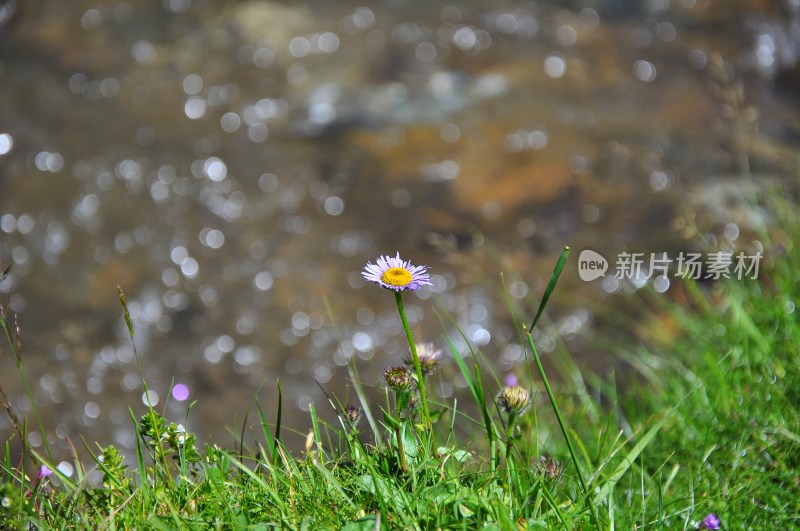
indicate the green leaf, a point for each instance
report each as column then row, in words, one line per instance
column 437, row 414
column 465, row 511
column 410, row 443
column 459, row 455
column 551, row 286
column 441, row 494
column 368, row 523
column 392, row 422
column 403, row 399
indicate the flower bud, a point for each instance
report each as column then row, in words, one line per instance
column 398, row 377
column 429, row 357
column 513, row 399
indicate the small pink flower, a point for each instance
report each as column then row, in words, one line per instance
column 44, row 472
column 710, row 522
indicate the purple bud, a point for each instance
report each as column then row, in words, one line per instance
column 44, row 472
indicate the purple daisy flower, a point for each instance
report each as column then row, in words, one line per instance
column 397, row 274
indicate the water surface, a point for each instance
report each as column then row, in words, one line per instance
column 232, row 166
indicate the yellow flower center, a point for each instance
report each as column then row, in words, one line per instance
column 397, row 276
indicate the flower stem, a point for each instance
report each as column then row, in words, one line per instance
column 401, row 451
column 510, row 435
column 398, row 297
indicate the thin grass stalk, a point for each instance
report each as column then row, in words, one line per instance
column 562, row 260
column 15, row 344
column 401, row 451
column 509, row 436
column 398, row 297
column 491, row 428
column 312, row 410
column 276, row 439
column 355, row 378
column 150, row 409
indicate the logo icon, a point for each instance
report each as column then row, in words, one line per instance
column 591, row 265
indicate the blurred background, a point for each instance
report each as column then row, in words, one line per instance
column 233, row 165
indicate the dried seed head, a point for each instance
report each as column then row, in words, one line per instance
column 353, row 413
column 549, row 467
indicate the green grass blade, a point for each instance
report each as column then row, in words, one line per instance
column 312, row 410
column 268, row 438
column 331, row 481
column 277, row 438
column 562, row 261
column 475, row 387
column 629, row 459
column 140, row 468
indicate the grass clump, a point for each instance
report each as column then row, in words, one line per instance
column 706, row 436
